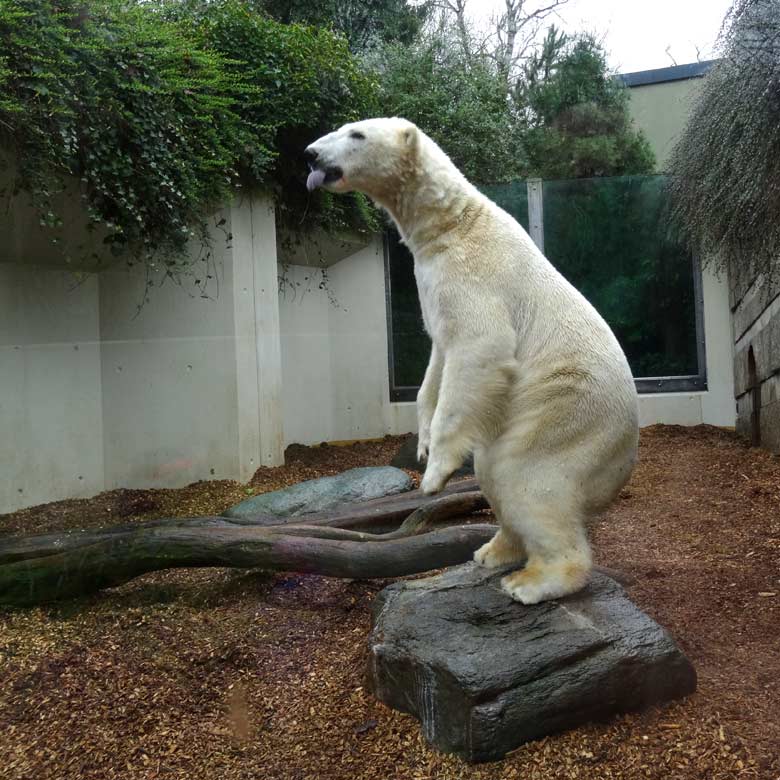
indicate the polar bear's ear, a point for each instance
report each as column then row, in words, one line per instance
column 411, row 136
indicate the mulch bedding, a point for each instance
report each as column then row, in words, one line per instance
column 225, row 674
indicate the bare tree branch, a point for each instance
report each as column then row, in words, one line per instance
column 117, row 560
column 514, row 31
column 53, row 566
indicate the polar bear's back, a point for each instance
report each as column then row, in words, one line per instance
column 574, row 394
column 573, row 386
column 552, row 319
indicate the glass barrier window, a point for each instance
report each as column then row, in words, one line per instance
column 607, row 238
column 409, row 345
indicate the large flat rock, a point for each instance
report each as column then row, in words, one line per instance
column 485, row 674
column 316, row 495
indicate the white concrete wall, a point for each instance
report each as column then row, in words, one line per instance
column 358, row 326
column 97, row 394
column 257, row 333
column 334, row 357
column 306, row 356
column 192, row 381
column 51, row 445
column 334, row 352
column 169, row 379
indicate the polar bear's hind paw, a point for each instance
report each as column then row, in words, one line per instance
column 544, row 582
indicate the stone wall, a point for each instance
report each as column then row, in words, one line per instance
column 755, row 307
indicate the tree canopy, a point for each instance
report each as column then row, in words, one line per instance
column 579, row 121
column 726, row 185
column 364, row 23
column 460, row 101
column 564, row 115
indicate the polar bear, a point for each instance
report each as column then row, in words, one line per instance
column 523, row 371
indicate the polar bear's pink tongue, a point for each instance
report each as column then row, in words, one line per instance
column 315, row 180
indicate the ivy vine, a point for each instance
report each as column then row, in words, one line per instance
column 162, row 109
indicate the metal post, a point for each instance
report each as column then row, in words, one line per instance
column 535, row 212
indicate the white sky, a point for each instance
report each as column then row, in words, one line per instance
column 636, row 33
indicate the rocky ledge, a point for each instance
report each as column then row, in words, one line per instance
column 485, row 674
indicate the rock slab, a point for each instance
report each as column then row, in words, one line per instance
column 484, row 674
column 317, row 495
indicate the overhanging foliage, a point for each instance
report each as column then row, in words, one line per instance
column 163, row 109
column 726, row 188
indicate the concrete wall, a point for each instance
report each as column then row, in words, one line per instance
column 334, row 352
column 306, row 347
column 50, row 386
column 169, row 379
column 97, row 393
column 191, row 382
column 358, row 321
column 661, row 111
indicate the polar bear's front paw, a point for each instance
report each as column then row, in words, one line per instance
column 433, row 481
column 436, row 476
column 441, row 466
column 499, row 552
column 423, row 444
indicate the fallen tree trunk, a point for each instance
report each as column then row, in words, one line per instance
column 374, row 517
column 120, row 558
column 344, row 543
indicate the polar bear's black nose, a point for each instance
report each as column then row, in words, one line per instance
column 310, row 155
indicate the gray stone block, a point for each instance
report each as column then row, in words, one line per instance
column 484, row 674
column 317, row 495
column 755, row 301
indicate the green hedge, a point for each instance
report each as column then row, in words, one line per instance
column 163, row 109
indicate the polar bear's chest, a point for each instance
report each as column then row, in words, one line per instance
column 430, row 288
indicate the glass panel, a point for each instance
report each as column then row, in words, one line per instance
column 512, row 197
column 605, row 236
column 411, row 345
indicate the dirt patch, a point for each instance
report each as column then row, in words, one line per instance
column 219, row 674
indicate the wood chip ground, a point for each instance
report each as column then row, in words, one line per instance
column 222, row 675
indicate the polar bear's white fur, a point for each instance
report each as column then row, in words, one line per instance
column 523, row 371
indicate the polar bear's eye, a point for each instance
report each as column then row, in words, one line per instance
column 357, row 135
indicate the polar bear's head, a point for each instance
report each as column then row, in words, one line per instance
column 366, row 156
